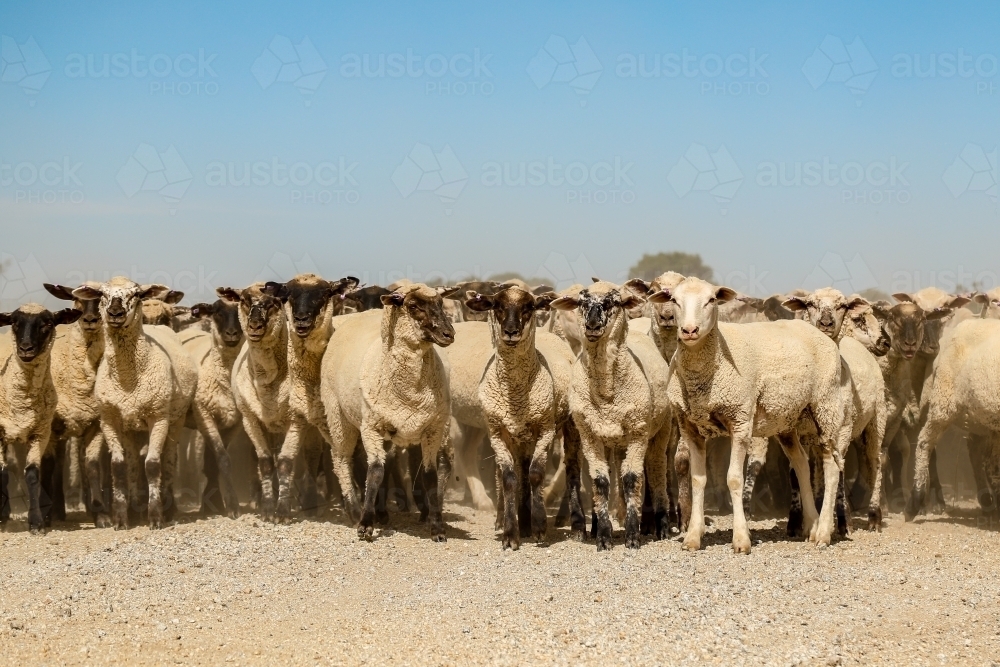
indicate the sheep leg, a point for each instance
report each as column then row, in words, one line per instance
column 633, row 482
column 375, row 448
column 799, row 463
column 343, row 444
column 756, row 458
column 536, row 479
column 58, row 492
column 682, row 468
column 979, row 447
column 843, row 509
column 435, row 477
column 658, row 482
column 467, row 467
column 217, row 452
column 111, row 428
column 741, row 442
column 500, row 522
column 444, row 467
column 4, row 492
column 97, row 482
column 169, row 456
column 618, row 456
column 822, row 531
column 571, row 462
column 929, row 435
column 286, row 465
column 699, row 479
column 312, row 454
column 154, row 471
column 595, row 454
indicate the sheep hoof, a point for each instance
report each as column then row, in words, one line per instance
column 510, row 542
column 604, row 543
column 102, row 520
column 633, row 541
column 578, row 534
column 691, row 543
column 441, row 537
column 741, row 544
column 913, row 507
column 875, row 519
column 36, row 529
column 540, row 539
column 366, row 533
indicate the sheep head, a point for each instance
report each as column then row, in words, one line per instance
column 869, row 329
column 600, row 304
column 908, row 322
column 367, row 298
column 120, row 299
column 513, row 310
column 696, row 307
column 423, row 307
column 826, row 308
column 90, row 318
column 225, row 316
column 259, row 312
column 307, row 299
column 662, row 313
column 33, row 328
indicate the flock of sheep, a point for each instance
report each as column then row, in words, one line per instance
column 644, row 379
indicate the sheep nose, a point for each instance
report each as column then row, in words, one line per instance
column 690, row 331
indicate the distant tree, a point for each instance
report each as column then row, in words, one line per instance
column 507, row 275
column 651, row 266
column 874, row 294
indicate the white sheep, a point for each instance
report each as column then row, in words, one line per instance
column 964, row 388
column 745, row 380
column 28, row 404
column 260, row 382
column 145, row 382
column 853, row 326
column 524, row 394
column 76, row 429
column 309, row 303
column 213, row 410
column 618, row 403
column 383, row 379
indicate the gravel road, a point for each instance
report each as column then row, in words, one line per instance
column 213, row 591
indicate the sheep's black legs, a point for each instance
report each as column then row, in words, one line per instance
column 32, row 481
column 4, row 494
column 366, row 527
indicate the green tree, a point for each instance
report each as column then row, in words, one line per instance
column 687, row 264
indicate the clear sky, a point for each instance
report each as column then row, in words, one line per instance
column 203, row 144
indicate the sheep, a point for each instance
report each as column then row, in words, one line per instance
column 213, row 411
column 145, row 382
column 905, row 323
column 165, row 312
column 365, row 298
column 309, row 302
column 759, row 379
column 28, row 404
column 524, row 395
column 566, row 323
column 990, row 302
column 964, row 386
column 76, row 428
column 851, row 324
column 260, row 381
column 617, row 401
column 382, row 378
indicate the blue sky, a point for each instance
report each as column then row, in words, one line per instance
column 391, row 175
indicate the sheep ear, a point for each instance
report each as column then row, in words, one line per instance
column 277, row 290
column 202, row 310
column 392, row 299
column 979, row 297
column 632, row 301
column 795, row 304
column 544, row 301
column 344, row 285
column 565, row 303
column 173, row 297
column 229, row 294
column 480, row 303
column 725, row 295
column 753, row 302
column 938, row 314
column 903, row 297
column 637, row 286
column 154, row 292
column 958, row 301
column 857, row 306
column 663, row 296
column 454, row 293
column 59, row 291
column 86, row 292
column 595, row 279
column 542, row 289
column 6, row 319
column 67, row 315
column 881, row 312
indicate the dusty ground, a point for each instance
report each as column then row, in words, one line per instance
column 213, row 591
